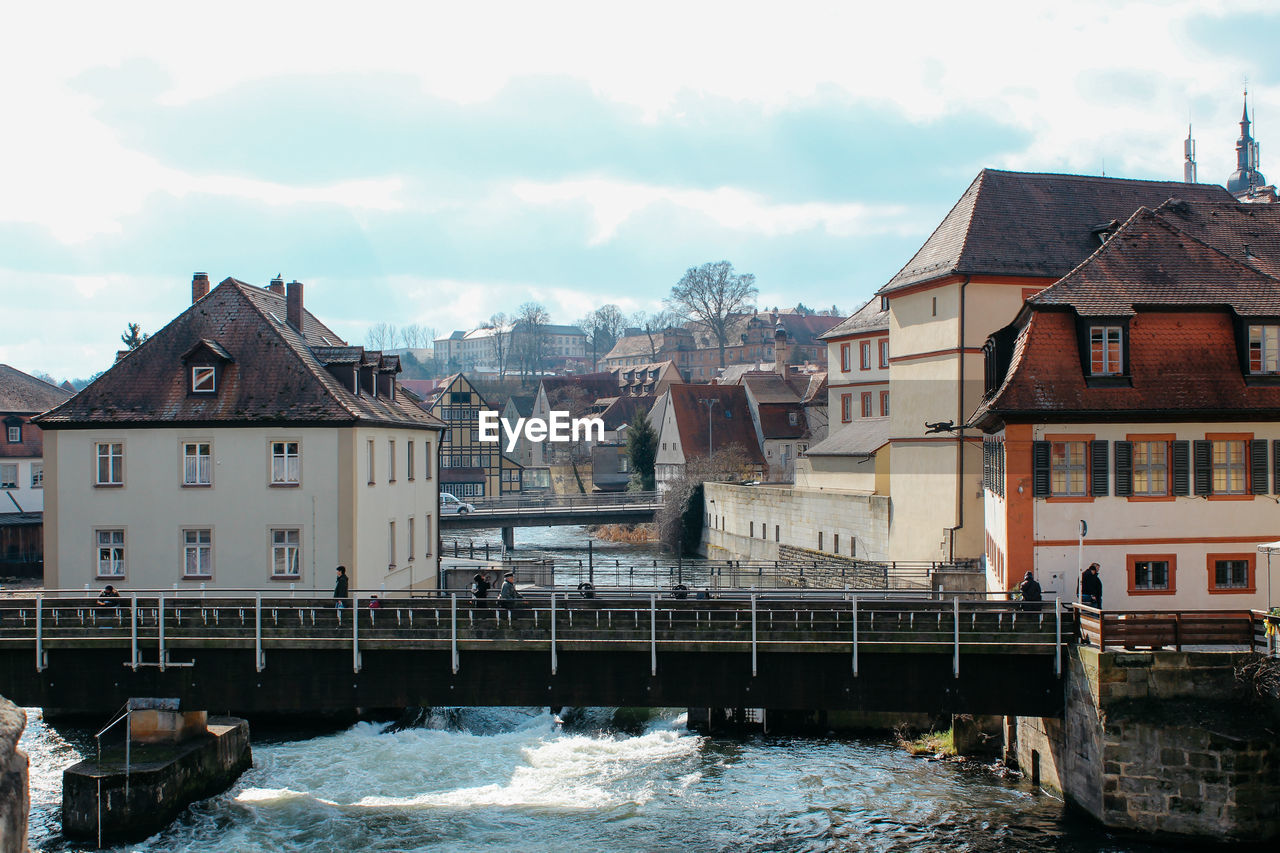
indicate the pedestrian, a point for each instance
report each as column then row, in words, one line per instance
column 507, row 594
column 110, row 597
column 374, row 603
column 1031, row 592
column 340, row 587
column 479, row 588
column 1091, row 587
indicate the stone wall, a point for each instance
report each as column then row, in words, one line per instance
column 751, row 522
column 15, row 797
column 1160, row 742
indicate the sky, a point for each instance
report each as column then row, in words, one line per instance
column 437, row 163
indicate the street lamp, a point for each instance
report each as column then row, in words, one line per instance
column 711, row 403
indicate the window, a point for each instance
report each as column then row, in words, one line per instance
column 203, row 380
column 413, row 531
column 835, row 543
column 1068, row 461
column 197, row 553
column 1152, row 574
column 1232, row 573
column 286, row 463
column 884, row 303
column 37, row 475
column 1151, row 468
column 884, row 353
column 426, row 459
column 370, row 460
column 1229, row 465
column 391, row 545
column 408, row 464
column 426, row 532
column 15, row 434
column 866, row 404
column 846, row 407
column 1104, row 351
column 286, row 552
column 110, row 553
column 110, row 464
column 391, row 460
column 793, row 418
column 819, row 540
column 866, row 355
column 195, row 464
column 935, row 306
column 9, row 476
column 884, row 403
column 1264, row 349
column 777, row 533
column 846, row 359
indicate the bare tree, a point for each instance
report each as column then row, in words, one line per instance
column 710, row 296
column 529, row 339
column 415, row 336
column 654, row 324
column 501, row 326
column 679, row 518
column 382, row 336
column 603, row 327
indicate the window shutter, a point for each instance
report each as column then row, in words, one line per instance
column 1258, row 466
column 1275, row 464
column 1203, row 467
column 1124, row 469
column 1182, row 467
column 1100, row 465
column 1040, row 469
column 988, row 474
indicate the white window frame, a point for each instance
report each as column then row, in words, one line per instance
column 203, row 375
column 1230, row 470
column 286, row 466
column 1147, row 469
column 1264, row 339
column 37, row 475
column 112, row 453
column 1062, row 470
column 884, row 354
column 286, row 547
column 8, row 481
column 1105, row 363
column 192, row 473
column 15, row 434
column 197, row 546
column 110, row 547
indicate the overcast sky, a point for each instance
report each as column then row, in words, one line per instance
column 435, row 164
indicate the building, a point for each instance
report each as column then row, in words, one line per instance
column 505, row 349
column 243, row 445
column 1246, row 183
column 858, row 364
column 1138, row 398
column 22, row 397
column 696, row 421
column 469, row 467
column 637, row 347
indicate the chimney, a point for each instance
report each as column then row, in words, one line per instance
column 780, row 350
column 277, row 285
column 293, row 305
column 199, row 286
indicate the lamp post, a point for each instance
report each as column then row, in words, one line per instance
column 711, row 403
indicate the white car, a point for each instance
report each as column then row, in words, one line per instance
column 449, row 505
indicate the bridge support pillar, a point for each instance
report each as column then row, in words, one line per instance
column 508, row 538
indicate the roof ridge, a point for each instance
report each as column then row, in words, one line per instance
column 942, row 222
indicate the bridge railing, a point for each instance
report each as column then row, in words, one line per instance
column 511, row 504
column 1155, row 629
column 159, row 630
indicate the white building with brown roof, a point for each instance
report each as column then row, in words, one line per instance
column 242, row 445
column 22, row 446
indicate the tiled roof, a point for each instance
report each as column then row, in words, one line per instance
column 868, row 318
column 462, row 475
column 860, row 437
column 816, row 392
column 1249, row 233
column 696, row 428
column 775, row 420
column 1026, row 224
column 593, row 385
column 637, row 346
column 769, row 387
column 523, row 404
column 274, row 375
column 22, row 393
column 622, row 410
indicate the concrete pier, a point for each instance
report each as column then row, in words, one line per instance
column 15, row 799
column 176, row 759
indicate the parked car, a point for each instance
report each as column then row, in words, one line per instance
column 449, row 505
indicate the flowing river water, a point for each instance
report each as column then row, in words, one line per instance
column 523, row 779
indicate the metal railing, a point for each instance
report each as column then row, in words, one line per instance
column 156, row 630
column 519, row 503
column 1157, row 629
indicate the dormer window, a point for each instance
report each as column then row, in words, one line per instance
column 204, row 380
column 792, row 418
column 1264, row 349
column 1106, row 350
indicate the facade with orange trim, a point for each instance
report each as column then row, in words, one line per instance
column 1140, row 396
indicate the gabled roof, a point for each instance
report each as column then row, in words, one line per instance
column 1249, row 233
column 729, row 421
column 21, row 393
column 769, row 387
column 273, row 375
column 592, row 385
column 868, row 318
column 859, row 437
column 522, row 403
column 776, row 421
column 1027, row 224
column 622, row 410
column 816, row 393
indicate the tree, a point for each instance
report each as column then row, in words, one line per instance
column 529, row 340
column 654, row 324
column 382, row 336
column 680, row 516
column 133, row 336
column 642, row 450
column 603, row 327
column 711, row 295
column 416, row 336
column 501, row 326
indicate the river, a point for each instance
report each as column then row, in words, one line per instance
column 500, row 779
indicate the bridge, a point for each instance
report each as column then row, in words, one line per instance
column 521, row 510
column 257, row 652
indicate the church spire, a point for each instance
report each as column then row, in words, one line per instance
column 1246, row 177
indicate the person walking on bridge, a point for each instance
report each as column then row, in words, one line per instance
column 479, row 588
column 1091, row 587
column 341, row 587
column 1031, row 592
column 507, row 594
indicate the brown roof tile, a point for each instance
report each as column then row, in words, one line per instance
column 729, row 421
column 21, row 393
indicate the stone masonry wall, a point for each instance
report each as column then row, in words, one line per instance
column 15, row 797
column 1158, row 742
